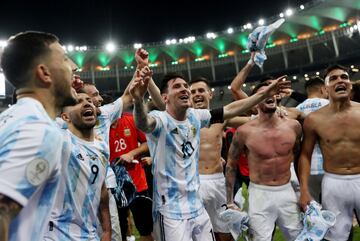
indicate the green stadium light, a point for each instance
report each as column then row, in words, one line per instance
column 79, row 59
column 104, row 59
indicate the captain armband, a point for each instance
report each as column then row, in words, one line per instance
column 217, row 115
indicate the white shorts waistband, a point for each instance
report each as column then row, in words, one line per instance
column 213, row 176
column 342, row 177
column 270, row 188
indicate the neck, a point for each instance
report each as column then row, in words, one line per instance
column 84, row 134
column 268, row 118
column 179, row 115
column 314, row 95
column 340, row 105
column 47, row 100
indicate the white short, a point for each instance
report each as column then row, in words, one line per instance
column 196, row 229
column 273, row 204
column 341, row 195
column 213, row 194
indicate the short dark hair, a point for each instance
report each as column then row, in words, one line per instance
column 82, row 89
column 258, row 86
column 200, row 79
column 21, row 52
column 164, row 84
column 332, row 67
column 313, row 83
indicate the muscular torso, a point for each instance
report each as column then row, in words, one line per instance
column 339, row 138
column 270, row 151
column 210, row 149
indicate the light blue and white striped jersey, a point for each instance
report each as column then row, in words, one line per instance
column 75, row 213
column 308, row 106
column 109, row 114
column 31, row 154
column 174, row 146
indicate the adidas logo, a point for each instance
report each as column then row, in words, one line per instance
column 175, row 131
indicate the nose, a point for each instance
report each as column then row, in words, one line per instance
column 100, row 99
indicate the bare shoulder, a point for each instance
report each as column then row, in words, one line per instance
column 293, row 124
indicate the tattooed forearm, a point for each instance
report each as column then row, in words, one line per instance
column 230, row 180
column 8, row 210
column 141, row 117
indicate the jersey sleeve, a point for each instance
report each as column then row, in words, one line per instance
column 204, row 116
column 30, row 156
column 113, row 110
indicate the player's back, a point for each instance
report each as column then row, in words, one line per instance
column 30, row 159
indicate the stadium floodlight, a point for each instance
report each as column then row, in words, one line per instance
column 212, row 89
column 352, row 66
column 110, row 47
column 189, row 39
column 70, row 48
column 168, row 42
column 318, row 73
column 229, row 87
column 211, row 35
column 77, row 48
column 173, row 41
column 294, row 77
column 137, row 45
column 306, row 75
column 230, row 30
column 302, row 7
column 281, row 15
column 244, row 85
column 289, row 12
column 261, row 22
column 83, row 48
column 181, row 40
column 249, row 26
column 3, row 43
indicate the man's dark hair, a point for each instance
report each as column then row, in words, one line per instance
column 258, row 86
column 332, row 67
column 83, row 87
column 200, row 79
column 164, row 84
column 314, row 83
column 20, row 55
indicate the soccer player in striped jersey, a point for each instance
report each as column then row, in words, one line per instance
column 31, row 145
column 82, row 195
column 173, row 137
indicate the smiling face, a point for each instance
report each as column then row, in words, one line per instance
column 338, row 84
column 177, row 97
column 268, row 105
column 83, row 114
column 96, row 98
column 200, row 95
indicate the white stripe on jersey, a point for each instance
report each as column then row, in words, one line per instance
column 75, row 215
column 174, row 146
column 308, row 106
column 31, row 149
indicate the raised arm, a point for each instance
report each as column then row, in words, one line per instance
column 105, row 214
column 142, row 60
column 307, row 148
column 239, row 80
column 137, row 90
column 8, row 210
column 237, row 107
column 236, row 148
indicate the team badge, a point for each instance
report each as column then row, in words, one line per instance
column 37, row 171
column 127, row 132
column 193, row 130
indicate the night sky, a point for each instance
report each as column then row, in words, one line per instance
column 126, row 22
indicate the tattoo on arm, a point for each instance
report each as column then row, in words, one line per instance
column 142, row 120
column 8, row 210
column 231, row 168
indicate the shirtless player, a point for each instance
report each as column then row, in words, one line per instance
column 270, row 143
column 336, row 127
column 212, row 180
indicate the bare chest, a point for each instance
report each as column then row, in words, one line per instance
column 213, row 134
column 271, row 143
